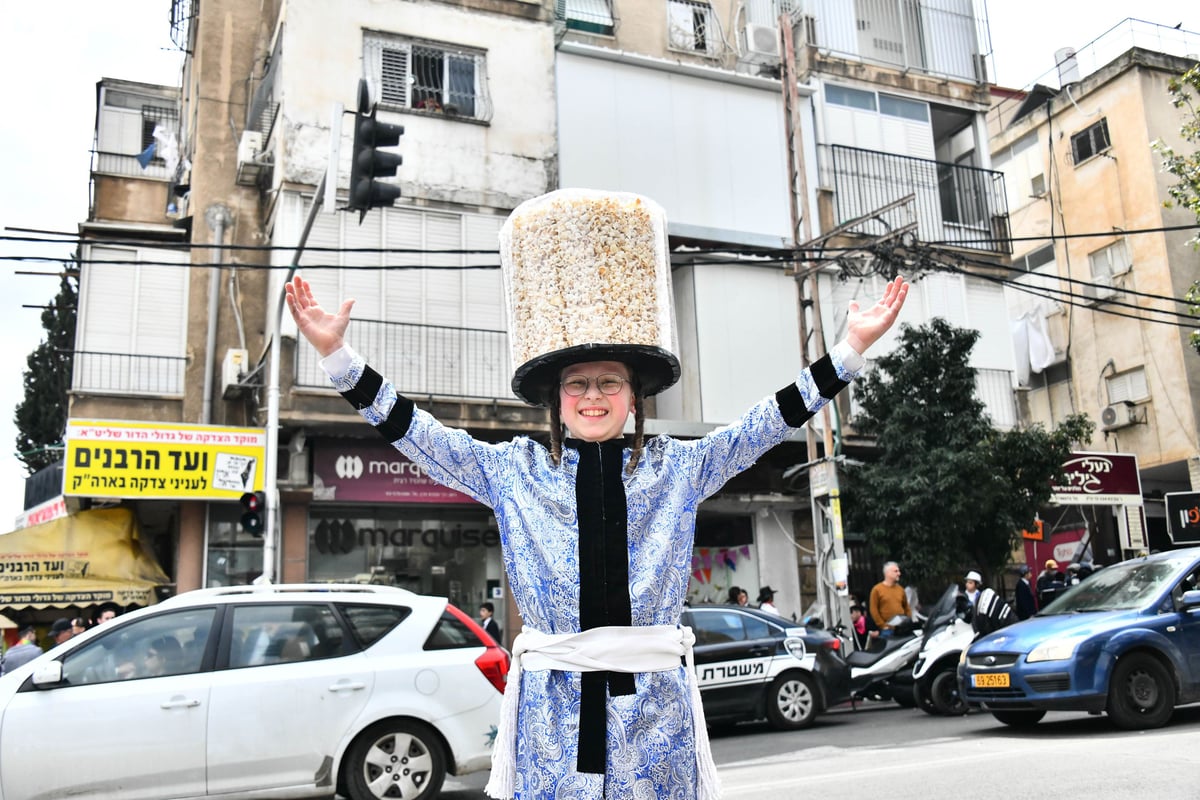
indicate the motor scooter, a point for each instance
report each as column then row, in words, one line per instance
column 947, row 633
column 884, row 670
column 953, row 625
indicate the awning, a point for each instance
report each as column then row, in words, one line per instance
column 83, row 559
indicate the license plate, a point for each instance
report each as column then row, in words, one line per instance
column 990, row 680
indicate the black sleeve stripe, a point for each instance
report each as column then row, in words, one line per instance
column 363, row 394
column 396, row 425
column 791, row 406
column 826, row 377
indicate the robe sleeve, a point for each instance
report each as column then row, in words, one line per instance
column 450, row 456
column 711, row 461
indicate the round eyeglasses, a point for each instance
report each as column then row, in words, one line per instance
column 577, row 385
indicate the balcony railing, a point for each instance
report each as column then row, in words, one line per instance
column 425, row 360
column 128, row 164
column 955, row 205
column 124, row 373
column 931, row 36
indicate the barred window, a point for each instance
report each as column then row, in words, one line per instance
column 691, row 27
column 422, row 76
column 589, row 16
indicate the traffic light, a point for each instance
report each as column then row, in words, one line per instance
column 369, row 163
column 254, row 504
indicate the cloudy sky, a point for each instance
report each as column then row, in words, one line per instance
column 53, row 53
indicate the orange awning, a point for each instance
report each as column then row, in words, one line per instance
column 83, row 559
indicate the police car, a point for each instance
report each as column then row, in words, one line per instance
column 754, row 665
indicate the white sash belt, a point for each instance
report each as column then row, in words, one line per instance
column 650, row 648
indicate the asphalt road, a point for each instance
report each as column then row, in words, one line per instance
column 882, row 752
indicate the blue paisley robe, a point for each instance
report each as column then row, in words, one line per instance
column 650, row 747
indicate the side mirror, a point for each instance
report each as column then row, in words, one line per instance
column 51, row 674
column 1190, row 600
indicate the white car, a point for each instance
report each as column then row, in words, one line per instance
column 249, row 691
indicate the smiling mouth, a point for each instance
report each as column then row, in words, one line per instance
column 593, row 412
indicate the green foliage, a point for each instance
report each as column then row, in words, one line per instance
column 41, row 418
column 1185, row 166
column 948, row 492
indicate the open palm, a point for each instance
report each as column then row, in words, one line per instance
column 326, row 332
column 864, row 327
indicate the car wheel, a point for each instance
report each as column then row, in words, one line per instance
column 1141, row 693
column 945, row 695
column 1019, row 719
column 395, row 759
column 792, row 701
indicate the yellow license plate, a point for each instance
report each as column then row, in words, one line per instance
column 990, row 680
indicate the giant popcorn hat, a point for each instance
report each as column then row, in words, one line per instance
column 588, row 278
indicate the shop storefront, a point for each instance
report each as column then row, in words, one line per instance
column 376, row 518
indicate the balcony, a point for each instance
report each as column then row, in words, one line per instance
column 956, row 205
column 425, row 360
column 127, row 374
column 935, row 37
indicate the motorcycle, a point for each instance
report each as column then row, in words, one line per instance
column 884, row 670
column 953, row 625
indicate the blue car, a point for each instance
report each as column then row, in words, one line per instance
column 1125, row 641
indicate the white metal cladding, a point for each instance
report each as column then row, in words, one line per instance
column 712, row 153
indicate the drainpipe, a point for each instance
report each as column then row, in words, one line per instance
column 218, row 218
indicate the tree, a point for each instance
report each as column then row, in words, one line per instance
column 41, row 418
column 948, row 492
column 1185, row 166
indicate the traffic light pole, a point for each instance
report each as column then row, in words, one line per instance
column 271, row 468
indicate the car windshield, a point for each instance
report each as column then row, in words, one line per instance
column 1132, row 584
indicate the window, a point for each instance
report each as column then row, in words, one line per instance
column 371, row 623
column 1127, row 386
column 853, row 98
column 1037, row 258
column 905, row 109
column 280, row 633
column 421, row 76
column 156, row 646
column 588, row 16
column 690, row 26
column 720, row 627
column 1090, row 141
column 1106, row 264
column 451, row 633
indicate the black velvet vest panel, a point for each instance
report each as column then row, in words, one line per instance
column 603, row 583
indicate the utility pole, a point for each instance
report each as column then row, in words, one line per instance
column 831, row 564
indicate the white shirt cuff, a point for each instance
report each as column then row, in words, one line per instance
column 848, row 357
column 337, row 363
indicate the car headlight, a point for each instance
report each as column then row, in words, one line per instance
column 1054, row 650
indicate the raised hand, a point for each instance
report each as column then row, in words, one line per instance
column 326, row 332
column 863, row 328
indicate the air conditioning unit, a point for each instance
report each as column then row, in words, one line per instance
column 248, row 166
column 762, row 43
column 232, row 370
column 1101, row 288
column 1117, row 416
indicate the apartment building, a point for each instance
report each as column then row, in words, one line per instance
column 682, row 100
column 1094, row 303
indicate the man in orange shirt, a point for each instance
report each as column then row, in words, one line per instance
column 888, row 599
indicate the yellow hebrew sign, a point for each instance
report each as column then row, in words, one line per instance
column 162, row 461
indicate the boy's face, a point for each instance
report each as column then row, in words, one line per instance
column 594, row 416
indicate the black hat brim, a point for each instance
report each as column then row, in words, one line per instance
column 654, row 368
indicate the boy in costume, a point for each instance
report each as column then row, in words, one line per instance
column 596, row 535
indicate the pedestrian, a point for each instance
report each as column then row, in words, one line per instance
column 78, row 626
column 25, row 650
column 1025, row 599
column 971, row 582
column 106, row 612
column 734, row 592
column 1049, row 583
column 570, row 535
column 888, row 600
column 487, row 614
column 743, row 598
column 60, row 631
column 766, row 600
column 858, row 627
